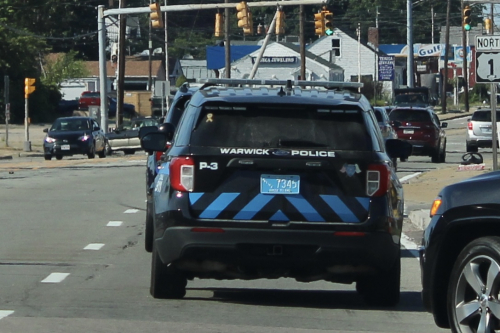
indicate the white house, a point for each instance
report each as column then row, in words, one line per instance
column 281, row 61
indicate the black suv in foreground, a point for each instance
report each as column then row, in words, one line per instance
column 274, row 182
column 460, row 256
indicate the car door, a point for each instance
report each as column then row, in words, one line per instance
column 98, row 135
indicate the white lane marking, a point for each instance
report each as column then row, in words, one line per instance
column 94, row 246
column 114, row 223
column 409, row 245
column 408, row 177
column 5, row 313
column 131, row 211
column 55, row 278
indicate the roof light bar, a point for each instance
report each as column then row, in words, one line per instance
column 299, row 83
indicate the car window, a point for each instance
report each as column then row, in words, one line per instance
column 91, row 94
column 410, row 115
column 484, row 115
column 278, row 126
column 176, row 110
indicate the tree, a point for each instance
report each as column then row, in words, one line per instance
column 60, row 67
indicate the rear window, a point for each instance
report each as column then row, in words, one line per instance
column 91, row 94
column 484, row 115
column 410, row 115
column 281, row 126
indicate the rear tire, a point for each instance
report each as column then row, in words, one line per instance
column 166, row 281
column 471, row 149
column 129, row 152
column 59, row 157
column 47, row 157
column 382, row 289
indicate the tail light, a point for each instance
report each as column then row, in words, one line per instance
column 378, row 179
column 469, row 126
column 182, row 173
column 160, row 153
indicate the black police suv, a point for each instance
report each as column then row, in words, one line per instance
column 278, row 181
column 460, row 256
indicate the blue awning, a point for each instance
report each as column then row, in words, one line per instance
column 216, row 55
column 391, row 49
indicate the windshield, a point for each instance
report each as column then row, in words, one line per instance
column 281, row 126
column 69, row 124
column 410, row 115
column 411, row 99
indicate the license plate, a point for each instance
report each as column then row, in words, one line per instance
column 279, row 184
column 65, row 147
column 408, row 131
column 486, row 129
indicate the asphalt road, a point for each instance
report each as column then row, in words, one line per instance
column 72, row 259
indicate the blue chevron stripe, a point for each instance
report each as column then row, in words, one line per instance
column 193, row 197
column 339, row 207
column 218, row 205
column 279, row 216
column 253, row 207
column 305, row 208
column 365, row 202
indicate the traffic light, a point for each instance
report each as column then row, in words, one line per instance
column 28, row 86
column 280, row 23
column 328, row 22
column 466, row 18
column 156, row 16
column 487, row 25
column 243, row 21
column 319, row 24
column 219, row 23
column 249, row 29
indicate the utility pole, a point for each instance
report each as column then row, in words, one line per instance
column 302, row 44
column 167, row 70
column 432, row 24
column 359, row 54
column 446, row 46
column 103, row 80
column 150, row 51
column 409, row 41
column 121, row 67
column 6, row 84
column 227, row 42
column 493, row 101
column 464, row 63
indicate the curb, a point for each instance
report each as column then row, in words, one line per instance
column 6, row 157
column 420, row 218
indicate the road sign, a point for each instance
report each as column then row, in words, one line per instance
column 487, row 67
column 386, row 68
column 488, row 43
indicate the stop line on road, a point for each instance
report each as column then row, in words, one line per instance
column 5, row 313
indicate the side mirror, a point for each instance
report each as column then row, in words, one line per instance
column 168, row 129
column 398, row 148
column 154, row 141
column 147, row 129
column 45, row 130
column 444, row 124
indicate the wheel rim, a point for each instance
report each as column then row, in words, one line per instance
column 476, row 303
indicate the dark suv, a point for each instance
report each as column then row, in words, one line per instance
column 278, row 182
column 421, row 127
column 460, row 256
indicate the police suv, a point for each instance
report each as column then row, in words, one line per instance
column 278, row 181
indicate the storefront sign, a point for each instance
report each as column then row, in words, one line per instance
column 386, row 68
column 276, row 60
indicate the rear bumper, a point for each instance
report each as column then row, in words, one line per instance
column 264, row 253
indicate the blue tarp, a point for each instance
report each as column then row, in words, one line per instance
column 216, row 55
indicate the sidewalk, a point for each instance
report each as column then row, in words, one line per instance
column 16, row 139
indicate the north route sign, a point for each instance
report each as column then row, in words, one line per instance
column 487, row 59
column 386, row 68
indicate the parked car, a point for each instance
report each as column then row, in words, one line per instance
column 126, row 137
column 479, row 133
column 384, row 123
column 460, row 256
column 422, row 128
column 260, row 183
column 72, row 136
column 93, row 98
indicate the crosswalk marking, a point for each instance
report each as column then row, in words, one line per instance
column 55, row 277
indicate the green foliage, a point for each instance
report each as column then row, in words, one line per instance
column 61, row 67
